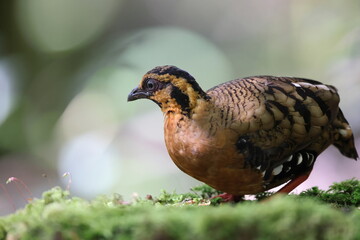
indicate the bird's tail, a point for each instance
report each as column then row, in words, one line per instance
column 343, row 136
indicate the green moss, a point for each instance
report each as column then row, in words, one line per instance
column 180, row 216
column 343, row 194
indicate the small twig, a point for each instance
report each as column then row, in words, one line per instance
column 10, row 199
column 68, row 174
column 19, row 181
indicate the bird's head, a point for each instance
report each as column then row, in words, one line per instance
column 173, row 89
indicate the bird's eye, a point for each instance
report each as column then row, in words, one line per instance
column 151, row 85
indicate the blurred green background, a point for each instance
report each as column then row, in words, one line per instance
column 67, row 66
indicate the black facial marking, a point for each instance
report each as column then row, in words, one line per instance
column 181, row 98
column 177, row 72
column 152, row 85
column 172, row 70
column 158, row 103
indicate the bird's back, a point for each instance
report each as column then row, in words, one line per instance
column 277, row 118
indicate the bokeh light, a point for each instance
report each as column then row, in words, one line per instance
column 61, row 25
column 7, row 89
column 92, row 164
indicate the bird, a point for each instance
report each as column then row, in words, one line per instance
column 248, row 135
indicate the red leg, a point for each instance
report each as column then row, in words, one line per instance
column 226, row 197
column 293, row 183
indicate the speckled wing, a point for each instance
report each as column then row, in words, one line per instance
column 276, row 118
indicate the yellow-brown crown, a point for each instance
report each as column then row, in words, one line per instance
column 171, row 88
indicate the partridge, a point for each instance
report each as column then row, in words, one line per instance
column 247, row 135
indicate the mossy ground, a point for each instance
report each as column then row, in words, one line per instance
column 314, row 214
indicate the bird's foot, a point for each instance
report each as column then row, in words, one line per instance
column 226, row 197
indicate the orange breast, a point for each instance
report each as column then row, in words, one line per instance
column 213, row 160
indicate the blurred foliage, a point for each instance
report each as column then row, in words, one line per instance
column 344, row 194
column 173, row 216
column 205, row 191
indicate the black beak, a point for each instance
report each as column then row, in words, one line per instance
column 137, row 93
